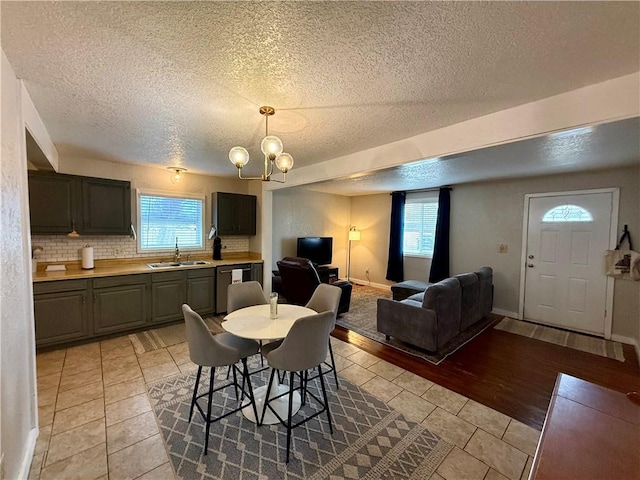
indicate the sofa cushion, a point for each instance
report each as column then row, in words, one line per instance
column 470, row 304
column 417, row 297
column 485, row 276
column 410, row 301
column 444, row 299
column 407, row 288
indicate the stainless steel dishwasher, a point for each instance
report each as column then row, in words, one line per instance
column 223, row 280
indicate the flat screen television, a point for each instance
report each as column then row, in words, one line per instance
column 316, row 249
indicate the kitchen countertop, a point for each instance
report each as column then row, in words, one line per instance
column 133, row 266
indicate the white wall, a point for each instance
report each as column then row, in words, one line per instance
column 302, row 213
column 18, row 422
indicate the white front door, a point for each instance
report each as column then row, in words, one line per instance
column 565, row 283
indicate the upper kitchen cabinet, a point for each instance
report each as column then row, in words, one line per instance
column 233, row 213
column 52, row 203
column 93, row 206
column 106, row 206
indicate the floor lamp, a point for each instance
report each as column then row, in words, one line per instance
column 354, row 234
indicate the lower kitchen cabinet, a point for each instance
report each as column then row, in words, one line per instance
column 68, row 311
column 200, row 290
column 168, row 293
column 61, row 312
column 119, row 303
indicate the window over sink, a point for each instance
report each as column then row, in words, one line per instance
column 163, row 217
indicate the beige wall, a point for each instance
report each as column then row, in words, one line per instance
column 303, row 213
column 486, row 214
column 371, row 215
column 18, row 415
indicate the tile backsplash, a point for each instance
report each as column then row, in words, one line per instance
column 60, row 248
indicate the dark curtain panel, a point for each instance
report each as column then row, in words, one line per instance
column 440, row 261
column 395, row 268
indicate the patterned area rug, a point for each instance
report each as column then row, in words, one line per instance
column 361, row 318
column 167, row 336
column 369, row 441
column 577, row 341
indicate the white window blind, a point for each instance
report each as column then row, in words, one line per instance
column 164, row 218
column 420, row 217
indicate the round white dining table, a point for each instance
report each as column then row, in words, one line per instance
column 255, row 323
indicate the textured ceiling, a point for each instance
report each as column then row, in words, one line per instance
column 180, row 83
column 611, row 145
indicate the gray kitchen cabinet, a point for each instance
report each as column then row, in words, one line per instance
column 223, row 280
column 59, row 203
column 61, row 311
column 168, row 293
column 106, row 207
column 120, row 303
column 200, row 290
column 233, row 213
column 52, row 203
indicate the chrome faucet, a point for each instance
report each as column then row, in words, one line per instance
column 176, row 255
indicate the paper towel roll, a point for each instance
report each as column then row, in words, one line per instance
column 87, row 258
column 236, row 275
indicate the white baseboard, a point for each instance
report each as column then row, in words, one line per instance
column 367, row 283
column 628, row 340
column 506, row 313
column 25, row 464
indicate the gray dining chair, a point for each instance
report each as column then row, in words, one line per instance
column 304, row 348
column 245, row 294
column 221, row 350
column 327, row 297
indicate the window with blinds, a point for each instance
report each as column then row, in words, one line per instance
column 165, row 218
column 420, row 216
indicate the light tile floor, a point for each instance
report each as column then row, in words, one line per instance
column 96, row 420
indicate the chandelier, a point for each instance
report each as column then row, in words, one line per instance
column 271, row 147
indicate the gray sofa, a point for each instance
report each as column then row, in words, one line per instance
column 431, row 318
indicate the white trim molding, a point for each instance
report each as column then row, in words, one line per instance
column 506, row 313
column 613, row 232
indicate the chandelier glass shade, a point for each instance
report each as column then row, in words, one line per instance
column 272, row 149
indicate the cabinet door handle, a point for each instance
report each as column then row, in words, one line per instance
column 95, row 297
column 84, row 299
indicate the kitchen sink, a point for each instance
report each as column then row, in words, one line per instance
column 177, row 264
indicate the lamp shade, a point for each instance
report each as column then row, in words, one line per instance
column 354, row 235
column 284, row 162
column 271, row 145
column 239, row 156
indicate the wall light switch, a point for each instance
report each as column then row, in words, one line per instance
column 503, row 248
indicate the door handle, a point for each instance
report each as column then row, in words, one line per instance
column 531, row 257
column 530, row 265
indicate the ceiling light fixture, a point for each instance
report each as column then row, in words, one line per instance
column 272, row 148
column 177, row 171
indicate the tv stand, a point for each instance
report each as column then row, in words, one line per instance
column 327, row 273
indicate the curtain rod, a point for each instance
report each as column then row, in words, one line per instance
column 434, row 189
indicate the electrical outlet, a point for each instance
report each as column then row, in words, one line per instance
column 503, row 248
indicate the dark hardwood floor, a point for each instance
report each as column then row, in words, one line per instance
column 510, row 373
